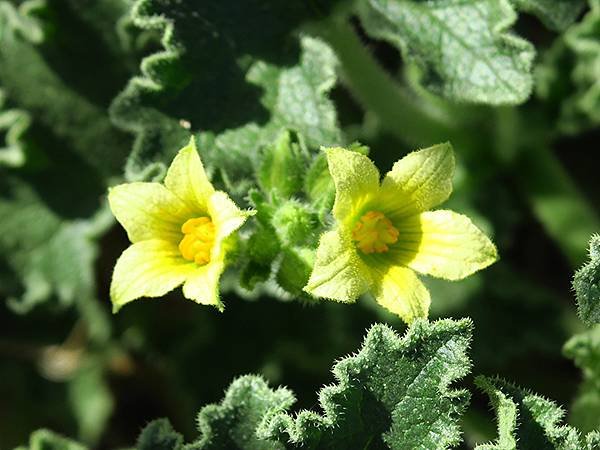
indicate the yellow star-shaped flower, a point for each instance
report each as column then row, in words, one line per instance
column 178, row 232
column 384, row 232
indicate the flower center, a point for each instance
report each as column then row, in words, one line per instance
column 373, row 232
column 198, row 239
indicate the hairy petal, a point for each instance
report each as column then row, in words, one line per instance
column 399, row 290
column 148, row 269
column 338, row 273
column 148, row 211
column 418, row 182
column 356, row 180
column 187, row 178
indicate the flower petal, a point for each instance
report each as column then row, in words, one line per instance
column 399, row 290
column 356, row 180
column 225, row 214
column 148, row 269
column 187, row 179
column 339, row 273
column 148, row 211
column 418, row 182
column 203, row 286
column 443, row 244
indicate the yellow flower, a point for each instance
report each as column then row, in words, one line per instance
column 178, row 232
column 384, row 232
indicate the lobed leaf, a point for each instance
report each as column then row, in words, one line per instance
column 463, row 48
column 268, row 82
column 529, row 421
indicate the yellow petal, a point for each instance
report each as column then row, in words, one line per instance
column 443, row 244
column 148, row 269
column 225, row 214
column 418, row 182
column 148, row 211
column 187, row 179
column 338, row 273
column 356, row 181
column 399, row 290
column 203, row 286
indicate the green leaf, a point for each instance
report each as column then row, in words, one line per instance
column 463, row 48
column 91, row 400
column 586, row 284
column 268, row 82
column 159, row 435
column 233, row 422
column 556, row 14
column 39, row 79
column 530, row 420
column 318, row 184
column 567, row 77
column 394, row 392
column 48, row 440
column 14, row 124
column 584, row 350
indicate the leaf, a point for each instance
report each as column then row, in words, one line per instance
column 14, row 124
column 556, row 14
column 268, row 82
column 567, row 77
column 394, row 392
column 530, row 420
column 584, row 350
column 586, row 284
column 48, row 440
column 39, row 79
column 159, row 435
column 233, row 422
column 464, row 48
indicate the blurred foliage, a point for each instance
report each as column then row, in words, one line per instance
column 96, row 92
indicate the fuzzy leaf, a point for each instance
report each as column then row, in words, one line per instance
column 394, row 392
column 584, row 350
column 268, row 82
column 233, row 422
column 528, row 421
column 556, row 14
column 586, row 284
column 463, row 48
column 159, row 435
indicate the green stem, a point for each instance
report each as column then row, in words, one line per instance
column 557, row 203
column 407, row 117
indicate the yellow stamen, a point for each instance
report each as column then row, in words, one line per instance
column 198, row 239
column 373, row 232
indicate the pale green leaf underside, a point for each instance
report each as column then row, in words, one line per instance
column 463, row 47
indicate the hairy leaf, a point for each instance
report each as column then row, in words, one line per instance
column 268, row 81
column 528, row 421
column 586, row 284
column 584, row 349
column 394, row 392
column 159, row 435
column 463, row 48
column 233, row 422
